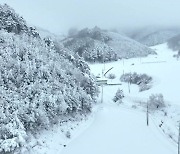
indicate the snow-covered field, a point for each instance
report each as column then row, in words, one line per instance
column 115, row 129
column 162, row 67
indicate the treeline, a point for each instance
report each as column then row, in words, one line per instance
column 91, row 44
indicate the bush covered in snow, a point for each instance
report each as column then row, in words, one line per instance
column 68, row 134
column 111, row 76
column 143, row 80
column 119, row 96
column 144, row 86
column 156, row 101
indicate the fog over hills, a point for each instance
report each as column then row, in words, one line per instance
column 153, row 35
column 88, row 76
column 58, row 15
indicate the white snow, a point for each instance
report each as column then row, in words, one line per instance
column 162, row 67
column 118, row 130
column 122, row 129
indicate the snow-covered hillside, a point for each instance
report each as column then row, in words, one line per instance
column 101, row 45
column 126, row 47
column 40, row 85
column 49, row 95
column 151, row 36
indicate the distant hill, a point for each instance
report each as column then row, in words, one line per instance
column 126, row 47
column 98, row 45
column 151, row 36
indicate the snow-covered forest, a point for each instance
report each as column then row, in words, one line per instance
column 96, row 45
column 41, row 85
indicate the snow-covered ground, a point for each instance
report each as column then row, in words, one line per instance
column 118, row 130
column 122, row 128
column 162, row 67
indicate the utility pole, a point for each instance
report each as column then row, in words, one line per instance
column 129, row 86
column 129, row 83
column 104, row 65
column 102, row 94
column 104, row 61
column 102, row 73
column 179, row 140
column 147, row 114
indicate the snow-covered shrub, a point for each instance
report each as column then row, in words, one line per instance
column 177, row 55
column 134, row 106
column 12, row 133
column 136, row 78
column 156, row 101
column 143, row 80
column 111, row 76
column 119, row 96
column 68, row 134
column 143, row 87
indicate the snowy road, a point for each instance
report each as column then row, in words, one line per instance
column 119, row 131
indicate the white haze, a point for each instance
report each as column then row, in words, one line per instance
column 60, row 15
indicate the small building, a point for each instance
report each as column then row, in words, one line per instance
column 101, row 81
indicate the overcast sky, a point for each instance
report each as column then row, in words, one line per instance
column 60, row 15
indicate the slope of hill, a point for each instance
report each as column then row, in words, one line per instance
column 40, row 84
column 12, row 22
column 151, row 36
column 100, row 45
column 126, row 47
